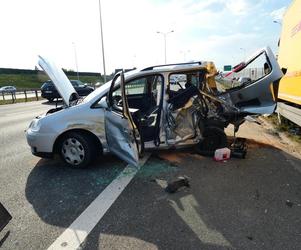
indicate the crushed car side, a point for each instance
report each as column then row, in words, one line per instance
column 171, row 105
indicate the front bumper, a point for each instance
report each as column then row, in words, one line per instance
column 41, row 154
column 41, row 144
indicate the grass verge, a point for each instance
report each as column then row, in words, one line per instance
column 292, row 130
column 28, row 81
column 29, row 99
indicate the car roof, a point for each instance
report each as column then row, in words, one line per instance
column 177, row 67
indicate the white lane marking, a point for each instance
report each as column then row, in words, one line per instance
column 77, row 232
column 186, row 208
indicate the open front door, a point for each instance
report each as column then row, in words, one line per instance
column 121, row 131
column 255, row 83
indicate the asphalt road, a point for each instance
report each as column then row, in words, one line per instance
column 238, row 204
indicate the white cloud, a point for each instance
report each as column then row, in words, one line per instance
column 238, row 7
column 278, row 13
column 243, row 7
column 224, row 49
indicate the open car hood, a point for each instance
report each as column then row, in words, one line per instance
column 60, row 80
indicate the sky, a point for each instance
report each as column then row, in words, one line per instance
column 222, row 31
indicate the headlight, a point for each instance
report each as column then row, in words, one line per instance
column 35, row 125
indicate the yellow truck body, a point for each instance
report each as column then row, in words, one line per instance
column 289, row 56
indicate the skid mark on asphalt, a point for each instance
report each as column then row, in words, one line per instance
column 77, row 232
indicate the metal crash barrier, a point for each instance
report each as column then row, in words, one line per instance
column 27, row 95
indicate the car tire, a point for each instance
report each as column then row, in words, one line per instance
column 213, row 138
column 215, row 123
column 77, row 150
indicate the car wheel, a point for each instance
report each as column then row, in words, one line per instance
column 215, row 123
column 213, row 138
column 77, row 150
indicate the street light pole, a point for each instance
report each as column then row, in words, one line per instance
column 164, row 35
column 165, row 48
column 75, row 56
column 102, row 45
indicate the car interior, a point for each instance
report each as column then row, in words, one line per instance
column 144, row 99
column 184, row 85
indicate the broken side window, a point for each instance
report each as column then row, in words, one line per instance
column 180, row 81
column 246, row 73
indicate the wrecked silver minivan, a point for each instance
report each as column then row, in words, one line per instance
column 141, row 110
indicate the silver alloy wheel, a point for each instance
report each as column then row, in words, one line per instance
column 73, row 151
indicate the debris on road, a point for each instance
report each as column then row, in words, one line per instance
column 257, row 194
column 161, row 183
column 158, row 167
column 289, row 203
column 173, row 186
column 222, row 154
column 5, row 217
column 239, row 148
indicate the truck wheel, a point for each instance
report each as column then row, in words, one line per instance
column 77, row 150
column 213, row 138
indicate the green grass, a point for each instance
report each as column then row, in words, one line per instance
column 289, row 128
column 29, row 99
column 28, row 81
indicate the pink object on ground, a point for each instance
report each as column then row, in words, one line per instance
column 222, row 154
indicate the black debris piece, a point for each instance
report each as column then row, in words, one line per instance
column 249, row 237
column 239, row 148
column 173, row 186
column 257, row 194
column 5, row 217
column 289, row 203
column 4, row 238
